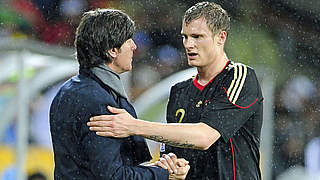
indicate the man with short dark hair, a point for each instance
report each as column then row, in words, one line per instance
column 104, row 50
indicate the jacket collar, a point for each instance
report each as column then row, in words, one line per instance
column 110, row 79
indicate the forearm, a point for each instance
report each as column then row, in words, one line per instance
column 186, row 135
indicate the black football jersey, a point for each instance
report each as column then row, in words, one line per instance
column 231, row 103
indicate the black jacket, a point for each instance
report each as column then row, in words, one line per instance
column 81, row 154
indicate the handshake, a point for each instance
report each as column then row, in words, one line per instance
column 178, row 167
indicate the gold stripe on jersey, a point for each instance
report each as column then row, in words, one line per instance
column 233, row 92
column 241, row 84
column 240, row 74
column 234, row 79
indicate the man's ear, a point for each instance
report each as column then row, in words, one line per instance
column 113, row 52
column 222, row 37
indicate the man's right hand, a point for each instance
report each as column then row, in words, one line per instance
column 177, row 167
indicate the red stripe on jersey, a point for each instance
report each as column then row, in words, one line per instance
column 233, row 161
column 242, row 107
column 201, row 87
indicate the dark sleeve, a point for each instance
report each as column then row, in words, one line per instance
column 104, row 159
column 237, row 99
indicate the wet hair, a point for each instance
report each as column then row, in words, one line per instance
column 216, row 17
column 99, row 31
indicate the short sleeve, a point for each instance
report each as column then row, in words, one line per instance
column 237, row 98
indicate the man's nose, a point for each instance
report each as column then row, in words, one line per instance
column 134, row 46
column 188, row 43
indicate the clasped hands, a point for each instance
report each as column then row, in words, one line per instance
column 178, row 167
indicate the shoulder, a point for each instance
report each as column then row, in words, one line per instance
column 181, row 85
column 241, row 82
column 83, row 90
column 239, row 69
column 238, row 73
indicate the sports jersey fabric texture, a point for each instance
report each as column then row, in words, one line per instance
column 232, row 104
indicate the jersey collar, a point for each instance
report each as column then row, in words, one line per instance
column 201, row 87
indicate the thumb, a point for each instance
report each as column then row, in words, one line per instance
column 115, row 110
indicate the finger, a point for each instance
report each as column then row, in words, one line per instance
column 173, row 157
column 170, row 162
column 182, row 172
column 102, row 118
column 106, row 134
column 101, row 129
column 99, row 123
column 165, row 163
column 115, row 110
column 158, row 163
column 182, row 162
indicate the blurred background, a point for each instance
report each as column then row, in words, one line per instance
column 279, row 38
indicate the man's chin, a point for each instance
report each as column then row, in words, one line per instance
column 192, row 63
column 129, row 68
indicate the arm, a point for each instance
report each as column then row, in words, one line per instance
column 102, row 155
column 186, row 135
column 220, row 118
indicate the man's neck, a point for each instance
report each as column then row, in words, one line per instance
column 207, row 73
column 114, row 68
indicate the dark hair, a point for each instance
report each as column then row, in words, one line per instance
column 99, row 31
column 216, row 17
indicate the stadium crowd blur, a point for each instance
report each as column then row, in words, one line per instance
column 281, row 36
